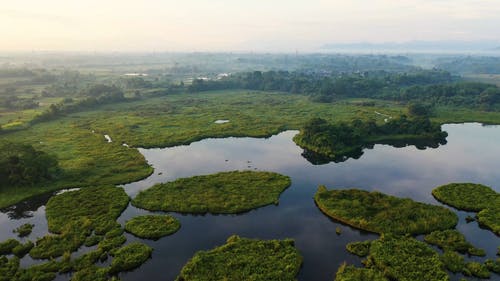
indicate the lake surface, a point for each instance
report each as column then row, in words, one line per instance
column 471, row 155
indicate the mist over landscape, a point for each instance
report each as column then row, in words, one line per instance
column 249, row 140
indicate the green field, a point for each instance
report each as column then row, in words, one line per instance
column 87, row 159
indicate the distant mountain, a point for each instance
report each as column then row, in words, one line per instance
column 417, row 46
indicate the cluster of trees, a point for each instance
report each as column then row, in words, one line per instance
column 98, row 94
column 431, row 86
column 484, row 96
column 343, row 85
column 14, row 102
column 21, row 164
column 338, row 140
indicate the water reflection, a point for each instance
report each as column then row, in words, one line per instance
column 471, row 155
column 421, row 144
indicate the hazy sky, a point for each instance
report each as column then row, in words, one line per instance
column 259, row 25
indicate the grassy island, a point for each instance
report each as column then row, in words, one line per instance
column 453, row 240
column 152, row 226
column 393, row 257
column 323, row 141
column 352, row 273
column 380, row 213
column 221, row 193
column 24, row 230
column 406, row 259
column 129, row 257
column 245, row 259
column 473, row 197
column 101, row 205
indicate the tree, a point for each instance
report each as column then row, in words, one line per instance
column 418, row 109
column 22, row 164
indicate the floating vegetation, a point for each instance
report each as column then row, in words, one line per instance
column 352, row 273
column 380, row 213
column 221, row 193
column 129, row 257
column 406, row 259
column 245, row 259
column 466, row 196
column 24, row 230
column 453, row 240
column 476, row 269
column 453, row 261
column 152, row 226
column 473, row 197
column 361, row 249
column 7, row 246
column 100, row 205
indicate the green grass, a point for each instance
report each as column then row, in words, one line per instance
column 477, row 269
column 452, row 240
column 7, row 246
column 130, row 257
column 152, row 226
column 361, row 249
column 245, row 259
column 352, row 273
column 181, row 119
column 453, row 261
column 466, row 196
column 85, row 158
column 473, row 197
column 101, row 205
column 380, row 213
column 406, row 259
column 221, row 193
column 24, row 230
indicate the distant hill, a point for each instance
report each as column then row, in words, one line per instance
column 417, row 46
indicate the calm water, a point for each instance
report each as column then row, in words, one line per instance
column 471, row 155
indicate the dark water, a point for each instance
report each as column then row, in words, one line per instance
column 471, row 155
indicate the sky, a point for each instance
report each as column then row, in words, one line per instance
column 237, row 25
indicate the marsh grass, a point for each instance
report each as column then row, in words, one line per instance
column 245, row 259
column 473, row 197
column 380, row 213
column 221, row 193
column 24, row 230
column 152, row 226
column 352, row 273
column 101, row 205
column 406, row 259
column 129, row 257
column 453, row 240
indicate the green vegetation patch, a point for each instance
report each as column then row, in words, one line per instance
column 7, row 246
column 129, row 257
column 476, row 269
column 380, row 213
column 473, row 197
column 453, row 261
column 361, row 249
column 245, row 259
column 101, row 205
column 466, row 196
column 490, row 217
column 152, row 226
column 493, row 265
column 406, row 259
column 352, row 273
column 72, row 236
column 24, row 230
column 221, row 193
column 453, row 240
